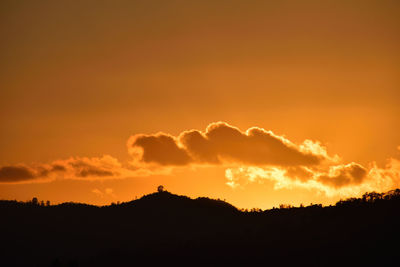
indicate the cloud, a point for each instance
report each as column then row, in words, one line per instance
column 344, row 175
column 160, row 148
column 387, row 178
column 16, row 173
column 73, row 168
column 252, row 156
column 107, row 192
column 337, row 180
column 97, row 192
column 221, row 144
column 302, row 174
column 92, row 167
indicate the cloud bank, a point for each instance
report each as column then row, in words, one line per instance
column 252, row 156
column 259, row 155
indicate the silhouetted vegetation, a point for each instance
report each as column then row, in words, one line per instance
column 164, row 229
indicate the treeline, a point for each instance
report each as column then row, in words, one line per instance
column 170, row 230
column 34, row 202
column 369, row 198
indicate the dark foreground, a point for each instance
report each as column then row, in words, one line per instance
column 166, row 229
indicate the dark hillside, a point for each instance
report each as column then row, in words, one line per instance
column 163, row 228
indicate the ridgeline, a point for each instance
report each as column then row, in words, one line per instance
column 167, row 229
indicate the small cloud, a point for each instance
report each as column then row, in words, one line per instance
column 107, row 192
column 97, row 192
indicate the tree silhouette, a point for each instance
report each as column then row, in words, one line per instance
column 160, row 188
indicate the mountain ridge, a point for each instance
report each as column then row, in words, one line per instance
column 163, row 228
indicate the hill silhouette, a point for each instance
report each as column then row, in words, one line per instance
column 166, row 229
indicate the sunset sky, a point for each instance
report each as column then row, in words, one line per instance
column 255, row 102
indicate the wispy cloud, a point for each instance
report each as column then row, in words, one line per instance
column 72, row 168
column 106, row 192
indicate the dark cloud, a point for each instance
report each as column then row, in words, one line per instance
column 94, row 172
column 105, row 166
column 161, row 148
column 222, row 143
column 344, row 175
column 16, row 174
column 58, row 168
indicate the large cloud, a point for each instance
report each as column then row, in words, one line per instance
column 222, row 143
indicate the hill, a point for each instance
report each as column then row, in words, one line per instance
column 164, row 229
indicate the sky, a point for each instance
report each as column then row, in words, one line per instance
column 259, row 103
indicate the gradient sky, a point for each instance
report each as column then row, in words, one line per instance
column 80, row 78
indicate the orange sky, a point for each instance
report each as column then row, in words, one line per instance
column 77, row 80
